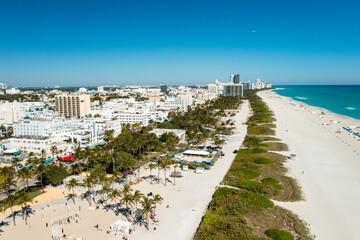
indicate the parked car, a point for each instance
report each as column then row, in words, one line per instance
column 235, row 151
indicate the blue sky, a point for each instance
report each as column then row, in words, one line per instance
column 90, row 43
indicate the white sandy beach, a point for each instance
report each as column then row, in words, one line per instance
column 187, row 200
column 331, row 165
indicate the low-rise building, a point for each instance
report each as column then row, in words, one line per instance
column 178, row 132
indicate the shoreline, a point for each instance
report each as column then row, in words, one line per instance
column 322, row 108
column 326, row 168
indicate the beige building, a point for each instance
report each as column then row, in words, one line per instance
column 154, row 98
column 72, row 105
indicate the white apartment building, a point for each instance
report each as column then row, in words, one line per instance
column 36, row 145
column 213, row 88
column 41, row 127
column 10, row 112
column 12, row 91
column 72, row 105
column 137, row 117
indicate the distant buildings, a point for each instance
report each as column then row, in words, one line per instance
column 213, row 88
column 72, row 105
column 13, row 90
column 3, row 88
column 100, row 89
column 235, row 78
column 235, row 87
column 163, row 88
column 10, row 112
column 232, row 89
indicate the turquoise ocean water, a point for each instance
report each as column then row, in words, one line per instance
column 340, row 99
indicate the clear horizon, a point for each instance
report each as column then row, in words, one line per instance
column 92, row 43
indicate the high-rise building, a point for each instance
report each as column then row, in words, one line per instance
column 3, row 87
column 235, row 78
column 235, row 90
column 246, row 85
column 72, row 105
column 213, row 88
column 163, row 88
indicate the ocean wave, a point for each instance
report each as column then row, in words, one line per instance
column 350, row 108
column 303, row 98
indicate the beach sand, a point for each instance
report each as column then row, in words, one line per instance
column 187, row 201
column 51, row 194
column 327, row 166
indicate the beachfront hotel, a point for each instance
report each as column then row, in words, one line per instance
column 72, row 105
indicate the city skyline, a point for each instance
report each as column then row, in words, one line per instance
column 117, row 43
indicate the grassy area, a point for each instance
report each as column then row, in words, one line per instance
column 267, row 139
column 240, row 214
column 33, row 192
column 258, row 176
column 275, row 146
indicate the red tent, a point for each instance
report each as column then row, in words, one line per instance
column 67, row 158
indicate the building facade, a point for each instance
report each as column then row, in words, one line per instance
column 235, row 90
column 72, row 105
column 235, row 78
column 163, row 88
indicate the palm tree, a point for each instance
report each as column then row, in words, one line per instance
column 7, row 183
column 25, row 174
column 43, row 152
column 40, row 170
column 75, row 169
column 117, row 175
column 175, row 166
column 104, row 191
column 72, row 184
column 109, row 134
column 157, row 199
column 137, row 197
column 16, row 162
column 159, row 163
column 53, row 150
column 165, row 166
column 9, row 201
column 147, row 208
column 127, row 189
column 128, row 200
column 113, row 195
column 151, row 166
column 89, row 183
column 23, row 199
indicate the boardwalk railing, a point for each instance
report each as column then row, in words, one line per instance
column 64, row 218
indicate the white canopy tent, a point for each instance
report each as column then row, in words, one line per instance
column 196, row 152
column 122, row 226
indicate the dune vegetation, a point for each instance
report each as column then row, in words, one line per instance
column 244, row 210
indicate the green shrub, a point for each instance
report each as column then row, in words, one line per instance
column 248, row 173
column 258, row 150
column 55, row 175
column 263, row 161
column 223, row 191
column 273, row 182
column 254, row 187
column 256, row 200
column 252, row 141
column 277, row 234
